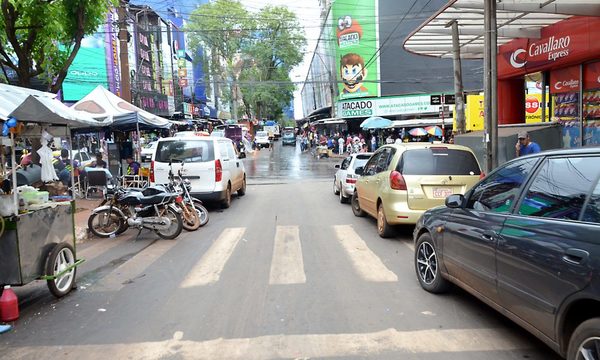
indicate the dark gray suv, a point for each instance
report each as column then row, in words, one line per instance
column 525, row 240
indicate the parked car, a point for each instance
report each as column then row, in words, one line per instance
column 81, row 157
column 148, row 150
column 345, row 177
column 526, row 241
column 401, row 181
column 211, row 165
column 261, row 139
column 288, row 138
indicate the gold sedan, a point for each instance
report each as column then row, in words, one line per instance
column 401, row 181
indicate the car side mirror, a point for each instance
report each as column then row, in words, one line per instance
column 455, row 201
column 337, row 166
column 359, row 170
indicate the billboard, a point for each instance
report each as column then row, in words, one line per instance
column 356, row 42
column 88, row 69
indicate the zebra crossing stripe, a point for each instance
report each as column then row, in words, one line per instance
column 287, row 265
column 134, row 267
column 208, row 269
column 365, row 262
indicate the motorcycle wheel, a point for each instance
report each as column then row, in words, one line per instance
column 105, row 223
column 176, row 225
column 202, row 212
column 191, row 218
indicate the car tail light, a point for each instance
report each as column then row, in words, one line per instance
column 397, row 181
column 152, row 172
column 350, row 179
column 218, row 171
column 482, row 175
column 179, row 199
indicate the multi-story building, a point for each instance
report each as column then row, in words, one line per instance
column 360, row 51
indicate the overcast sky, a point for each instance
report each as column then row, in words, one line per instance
column 308, row 14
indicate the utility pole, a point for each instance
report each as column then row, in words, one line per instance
column 490, row 82
column 459, row 107
column 124, row 52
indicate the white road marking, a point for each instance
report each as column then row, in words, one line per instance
column 287, row 265
column 409, row 245
column 208, row 269
column 134, row 267
column 292, row 346
column 365, row 262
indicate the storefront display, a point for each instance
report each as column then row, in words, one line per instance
column 591, row 104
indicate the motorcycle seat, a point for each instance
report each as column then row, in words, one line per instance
column 136, row 198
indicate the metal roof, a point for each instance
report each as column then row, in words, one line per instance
column 515, row 19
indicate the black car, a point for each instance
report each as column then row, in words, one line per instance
column 525, row 240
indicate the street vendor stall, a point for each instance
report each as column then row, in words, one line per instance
column 37, row 236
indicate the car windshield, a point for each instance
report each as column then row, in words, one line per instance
column 185, row 150
column 438, row 161
column 261, row 133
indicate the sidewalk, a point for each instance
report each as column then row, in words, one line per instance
column 82, row 213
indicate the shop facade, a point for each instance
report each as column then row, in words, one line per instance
column 563, row 66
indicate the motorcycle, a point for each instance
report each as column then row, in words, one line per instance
column 193, row 215
column 186, row 187
column 153, row 208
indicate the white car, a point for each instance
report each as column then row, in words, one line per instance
column 210, row 163
column 345, row 177
column 148, row 150
column 262, row 139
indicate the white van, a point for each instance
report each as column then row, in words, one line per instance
column 210, row 163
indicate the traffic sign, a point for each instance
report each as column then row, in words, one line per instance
column 435, row 100
column 449, row 99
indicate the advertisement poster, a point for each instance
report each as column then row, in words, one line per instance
column 356, row 42
column 88, row 69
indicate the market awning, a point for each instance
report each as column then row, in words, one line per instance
column 421, row 122
column 45, row 110
column 515, row 19
column 102, row 104
column 329, row 121
column 13, row 96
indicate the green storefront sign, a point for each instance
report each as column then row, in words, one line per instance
column 356, row 39
column 87, row 71
column 387, row 106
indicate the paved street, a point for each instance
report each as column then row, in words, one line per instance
column 287, row 272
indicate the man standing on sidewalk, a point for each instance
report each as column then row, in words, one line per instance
column 525, row 146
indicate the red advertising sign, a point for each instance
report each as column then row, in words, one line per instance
column 591, row 76
column 568, row 42
column 532, row 104
column 565, row 80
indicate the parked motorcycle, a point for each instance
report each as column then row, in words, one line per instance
column 185, row 186
column 155, row 210
column 191, row 217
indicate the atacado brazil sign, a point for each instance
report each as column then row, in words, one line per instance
column 387, row 106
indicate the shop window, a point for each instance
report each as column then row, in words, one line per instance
column 565, row 88
column 591, row 104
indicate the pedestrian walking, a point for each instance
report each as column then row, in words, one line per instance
column 341, row 145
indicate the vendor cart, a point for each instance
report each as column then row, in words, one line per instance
column 37, row 242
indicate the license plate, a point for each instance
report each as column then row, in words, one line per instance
column 441, row 193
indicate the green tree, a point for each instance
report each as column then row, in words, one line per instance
column 224, row 27
column 252, row 54
column 41, row 38
column 277, row 47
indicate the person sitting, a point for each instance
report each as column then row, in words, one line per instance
column 99, row 163
column 134, row 167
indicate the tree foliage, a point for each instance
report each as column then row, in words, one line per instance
column 41, row 38
column 258, row 50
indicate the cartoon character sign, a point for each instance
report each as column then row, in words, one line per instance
column 353, row 73
column 349, row 31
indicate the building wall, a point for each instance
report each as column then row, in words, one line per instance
column 406, row 73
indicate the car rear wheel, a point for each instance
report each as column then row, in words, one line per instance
column 356, row 206
column 226, row 203
column 585, row 342
column 383, row 228
column 343, row 199
column 242, row 191
column 427, row 266
column 335, row 189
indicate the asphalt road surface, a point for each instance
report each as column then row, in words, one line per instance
column 286, row 273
